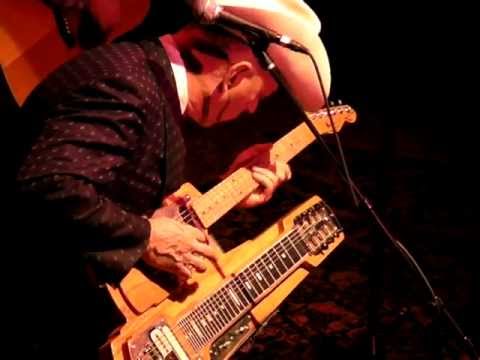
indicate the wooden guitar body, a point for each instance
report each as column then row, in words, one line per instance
column 31, row 46
column 212, row 320
column 137, row 292
column 225, row 305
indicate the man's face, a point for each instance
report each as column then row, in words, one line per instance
column 228, row 102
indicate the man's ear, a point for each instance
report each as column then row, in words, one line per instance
column 236, row 73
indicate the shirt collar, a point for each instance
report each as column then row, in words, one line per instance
column 178, row 68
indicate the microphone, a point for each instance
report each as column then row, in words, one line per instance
column 210, row 12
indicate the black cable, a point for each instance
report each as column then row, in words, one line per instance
column 259, row 46
column 437, row 302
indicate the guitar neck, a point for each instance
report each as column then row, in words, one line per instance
column 210, row 318
column 314, row 230
column 227, row 194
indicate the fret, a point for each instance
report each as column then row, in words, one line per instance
column 275, row 271
column 247, row 296
column 226, row 312
column 226, row 305
column 194, row 339
column 237, row 287
column 222, row 319
column 288, row 243
column 217, row 317
column 247, row 286
column 292, row 143
column 219, row 309
column 300, row 244
column 227, row 299
column 238, row 303
column 192, row 322
column 203, row 324
column 260, row 273
column 198, row 325
column 223, row 313
column 265, row 270
column 251, row 272
column 230, row 300
column 252, row 280
column 193, row 335
column 224, row 196
column 185, row 331
column 204, row 311
column 283, row 255
column 288, row 246
column 279, row 264
column 212, row 324
column 195, row 322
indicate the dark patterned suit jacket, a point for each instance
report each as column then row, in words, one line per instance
column 104, row 148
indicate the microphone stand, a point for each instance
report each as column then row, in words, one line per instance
column 259, row 45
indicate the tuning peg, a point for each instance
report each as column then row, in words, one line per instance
column 335, row 103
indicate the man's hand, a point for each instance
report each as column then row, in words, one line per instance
column 269, row 174
column 178, row 248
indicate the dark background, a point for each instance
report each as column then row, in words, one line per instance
column 408, row 71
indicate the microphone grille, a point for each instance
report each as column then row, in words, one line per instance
column 209, row 10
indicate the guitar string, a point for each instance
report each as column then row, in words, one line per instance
column 198, row 342
column 195, row 339
column 296, row 239
column 260, row 265
column 234, row 281
column 296, row 236
column 315, row 116
column 188, row 217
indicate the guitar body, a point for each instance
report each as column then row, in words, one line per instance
column 31, row 46
column 225, row 305
column 155, row 333
column 137, row 292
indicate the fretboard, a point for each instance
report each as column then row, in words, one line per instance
column 216, row 313
column 215, row 203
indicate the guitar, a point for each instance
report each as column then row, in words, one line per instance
column 31, row 45
column 214, row 321
column 137, row 293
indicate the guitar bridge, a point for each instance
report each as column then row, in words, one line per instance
column 158, row 343
column 232, row 339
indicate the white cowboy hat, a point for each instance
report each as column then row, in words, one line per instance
column 295, row 19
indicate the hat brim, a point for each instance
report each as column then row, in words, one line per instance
column 298, row 22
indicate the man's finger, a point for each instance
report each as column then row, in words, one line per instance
column 195, row 261
column 205, row 250
column 266, row 178
column 283, row 171
column 182, row 272
column 196, row 233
